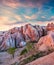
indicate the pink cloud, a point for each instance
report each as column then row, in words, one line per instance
column 25, row 3
column 11, row 3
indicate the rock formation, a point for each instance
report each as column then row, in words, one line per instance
column 18, row 36
column 50, row 27
column 46, row 42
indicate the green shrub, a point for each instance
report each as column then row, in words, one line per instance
column 24, row 51
column 11, row 51
column 29, row 47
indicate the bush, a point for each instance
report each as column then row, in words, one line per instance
column 29, row 47
column 11, row 51
column 24, row 51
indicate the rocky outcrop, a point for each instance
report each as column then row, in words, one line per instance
column 46, row 42
column 18, row 36
column 50, row 27
column 46, row 60
column 39, row 29
column 30, row 33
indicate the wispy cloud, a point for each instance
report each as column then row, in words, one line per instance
column 30, row 17
column 19, row 12
column 10, row 14
column 11, row 3
column 24, row 3
column 3, row 19
column 15, row 23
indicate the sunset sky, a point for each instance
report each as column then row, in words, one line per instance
column 19, row 12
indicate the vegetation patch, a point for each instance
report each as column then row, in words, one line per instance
column 33, row 57
column 29, row 47
column 11, row 51
column 24, row 51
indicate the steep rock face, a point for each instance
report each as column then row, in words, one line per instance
column 46, row 60
column 46, row 42
column 44, row 30
column 8, row 41
column 18, row 36
column 13, row 40
column 19, row 39
column 39, row 30
column 30, row 33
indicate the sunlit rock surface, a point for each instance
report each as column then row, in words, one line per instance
column 46, row 60
column 46, row 42
column 50, row 27
column 30, row 33
column 18, row 36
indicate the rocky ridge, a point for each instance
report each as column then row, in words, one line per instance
column 18, row 36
